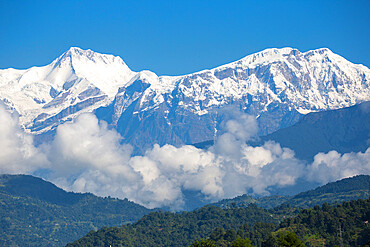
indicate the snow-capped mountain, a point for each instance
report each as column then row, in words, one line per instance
column 76, row 82
column 275, row 85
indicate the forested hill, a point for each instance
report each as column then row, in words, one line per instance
column 342, row 225
column 318, row 226
column 357, row 187
column 34, row 212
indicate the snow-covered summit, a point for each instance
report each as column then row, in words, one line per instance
column 106, row 72
column 74, row 77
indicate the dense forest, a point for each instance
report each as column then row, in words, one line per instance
column 341, row 225
column 344, row 224
column 34, row 212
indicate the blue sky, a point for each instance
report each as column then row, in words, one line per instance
column 179, row 37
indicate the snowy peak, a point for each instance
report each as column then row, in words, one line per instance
column 273, row 55
column 80, row 79
column 267, row 56
column 106, row 72
column 77, row 56
column 321, row 52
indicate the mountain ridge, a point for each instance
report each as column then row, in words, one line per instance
column 347, row 189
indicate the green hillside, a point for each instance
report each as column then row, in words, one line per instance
column 357, row 187
column 34, row 212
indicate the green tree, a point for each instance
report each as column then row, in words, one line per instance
column 230, row 235
column 242, row 242
column 289, row 239
column 270, row 242
column 203, row 243
column 217, row 234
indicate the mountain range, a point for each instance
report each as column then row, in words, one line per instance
column 278, row 86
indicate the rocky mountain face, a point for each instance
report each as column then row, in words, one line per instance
column 278, row 86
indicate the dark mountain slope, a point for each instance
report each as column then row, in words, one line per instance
column 37, row 188
column 344, row 130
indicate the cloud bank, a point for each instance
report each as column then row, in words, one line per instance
column 17, row 153
column 86, row 156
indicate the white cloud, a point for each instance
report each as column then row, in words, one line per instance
column 89, row 144
column 17, row 152
column 333, row 166
column 86, row 156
